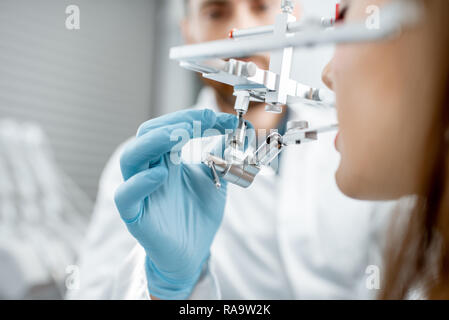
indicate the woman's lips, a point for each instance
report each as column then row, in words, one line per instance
column 336, row 141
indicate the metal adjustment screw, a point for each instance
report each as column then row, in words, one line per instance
column 249, row 69
column 288, row 6
column 214, row 174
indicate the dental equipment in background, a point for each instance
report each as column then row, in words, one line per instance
column 274, row 86
column 43, row 215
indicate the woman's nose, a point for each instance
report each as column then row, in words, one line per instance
column 326, row 76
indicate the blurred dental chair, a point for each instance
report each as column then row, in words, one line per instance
column 43, row 216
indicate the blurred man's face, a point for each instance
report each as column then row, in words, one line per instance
column 209, row 20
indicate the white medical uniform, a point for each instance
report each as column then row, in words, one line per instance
column 291, row 235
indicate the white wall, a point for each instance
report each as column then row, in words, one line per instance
column 89, row 89
column 176, row 87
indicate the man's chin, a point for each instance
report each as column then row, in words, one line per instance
column 226, row 92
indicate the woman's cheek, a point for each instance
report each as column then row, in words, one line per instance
column 341, row 85
column 350, row 139
column 342, row 176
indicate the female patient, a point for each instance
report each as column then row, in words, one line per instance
column 393, row 110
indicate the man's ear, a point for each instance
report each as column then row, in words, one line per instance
column 186, row 31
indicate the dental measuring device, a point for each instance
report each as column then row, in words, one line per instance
column 217, row 60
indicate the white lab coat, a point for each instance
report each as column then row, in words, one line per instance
column 289, row 236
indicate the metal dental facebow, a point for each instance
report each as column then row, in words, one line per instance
column 216, row 60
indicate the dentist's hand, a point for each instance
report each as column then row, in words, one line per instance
column 173, row 210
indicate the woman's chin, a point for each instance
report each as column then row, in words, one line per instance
column 350, row 185
column 360, row 188
column 342, row 184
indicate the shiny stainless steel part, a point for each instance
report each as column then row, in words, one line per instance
column 242, row 171
column 269, row 150
column 288, row 6
column 274, row 144
column 240, row 174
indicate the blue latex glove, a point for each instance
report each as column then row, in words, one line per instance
column 173, row 210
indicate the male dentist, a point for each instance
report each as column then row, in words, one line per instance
column 291, row 235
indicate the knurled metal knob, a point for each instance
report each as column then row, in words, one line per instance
column 240, row 68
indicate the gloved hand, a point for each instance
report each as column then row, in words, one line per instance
column 173, row 210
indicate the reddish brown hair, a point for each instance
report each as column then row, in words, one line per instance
column 418, row 258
